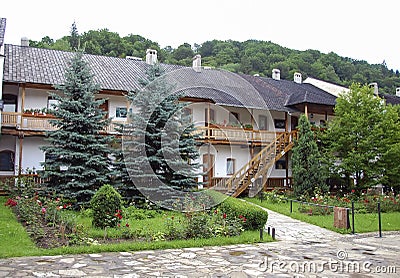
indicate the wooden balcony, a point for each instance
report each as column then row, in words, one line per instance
column 40, row 122
column 218, row 134
column 232, row 134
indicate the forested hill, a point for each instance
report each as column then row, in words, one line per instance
column 249, row 57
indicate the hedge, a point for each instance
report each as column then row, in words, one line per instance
column 256, row 217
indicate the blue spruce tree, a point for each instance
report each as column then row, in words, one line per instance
column 77, row 162
column 159, row 145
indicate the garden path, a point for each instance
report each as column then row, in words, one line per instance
column 301, row 250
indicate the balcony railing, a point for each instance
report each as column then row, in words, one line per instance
column 24, row 121
column 234, row 134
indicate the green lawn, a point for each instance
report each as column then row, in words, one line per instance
column 364, row 222
column 15, row 242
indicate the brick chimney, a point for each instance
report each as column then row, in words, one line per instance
column 197, row 63
column 151, row 56
column 276, row 74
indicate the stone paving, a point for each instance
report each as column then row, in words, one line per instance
column 301, row 250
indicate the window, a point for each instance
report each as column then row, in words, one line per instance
column 262, row 122
column 230, row 166
column 10, row 103
column 234, row 118
column 281, row 163
column 52, row 103
column 121, row 112
column 279, row 123
column 7, row 160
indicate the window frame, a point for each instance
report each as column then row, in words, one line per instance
column 230, row 166
column 10, row 161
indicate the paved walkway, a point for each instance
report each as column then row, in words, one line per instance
column 301, row 250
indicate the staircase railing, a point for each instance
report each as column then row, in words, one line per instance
column 259, row 165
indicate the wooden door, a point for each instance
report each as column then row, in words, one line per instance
column 208, row 169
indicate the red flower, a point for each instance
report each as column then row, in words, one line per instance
column 10, row 202
column 244, row 219
column 352, row 191
column 127, row 225
column 224, row 216
column 118, row 214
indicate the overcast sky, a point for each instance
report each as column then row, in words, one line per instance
column 359, row 29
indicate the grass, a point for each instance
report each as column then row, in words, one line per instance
column 15, row 242
column 364, row 222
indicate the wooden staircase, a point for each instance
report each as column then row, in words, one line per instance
column 254, row 174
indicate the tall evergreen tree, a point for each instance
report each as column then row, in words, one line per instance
column 308, row 173
column 74, row 39
column 159, row 145
column 120, row 175
column 76, row 157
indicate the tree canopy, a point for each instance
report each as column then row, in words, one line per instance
column 249, row 57
column 363, row 138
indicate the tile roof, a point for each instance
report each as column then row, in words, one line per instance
column 45, row 66
column 301, row 93
column 273, row 96
column 391, row 99
column 223, row 87
column 2, row 30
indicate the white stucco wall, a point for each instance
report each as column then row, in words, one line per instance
column 32, row 156
column 113, row 103
column 34, row 99
column 222, row 153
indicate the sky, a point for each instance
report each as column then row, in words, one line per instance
column 358, row 29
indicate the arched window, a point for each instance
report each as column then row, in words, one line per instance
column 7, row 160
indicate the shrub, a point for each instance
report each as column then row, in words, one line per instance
column 254, row 217
column 107, row 207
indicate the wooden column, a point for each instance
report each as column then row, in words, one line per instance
column 306, row 110
column 287, row 167
column 286, row 122
column 21, row 142
column 23, row 89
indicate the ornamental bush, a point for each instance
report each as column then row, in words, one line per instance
column 253, row 217
column 107, row 207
